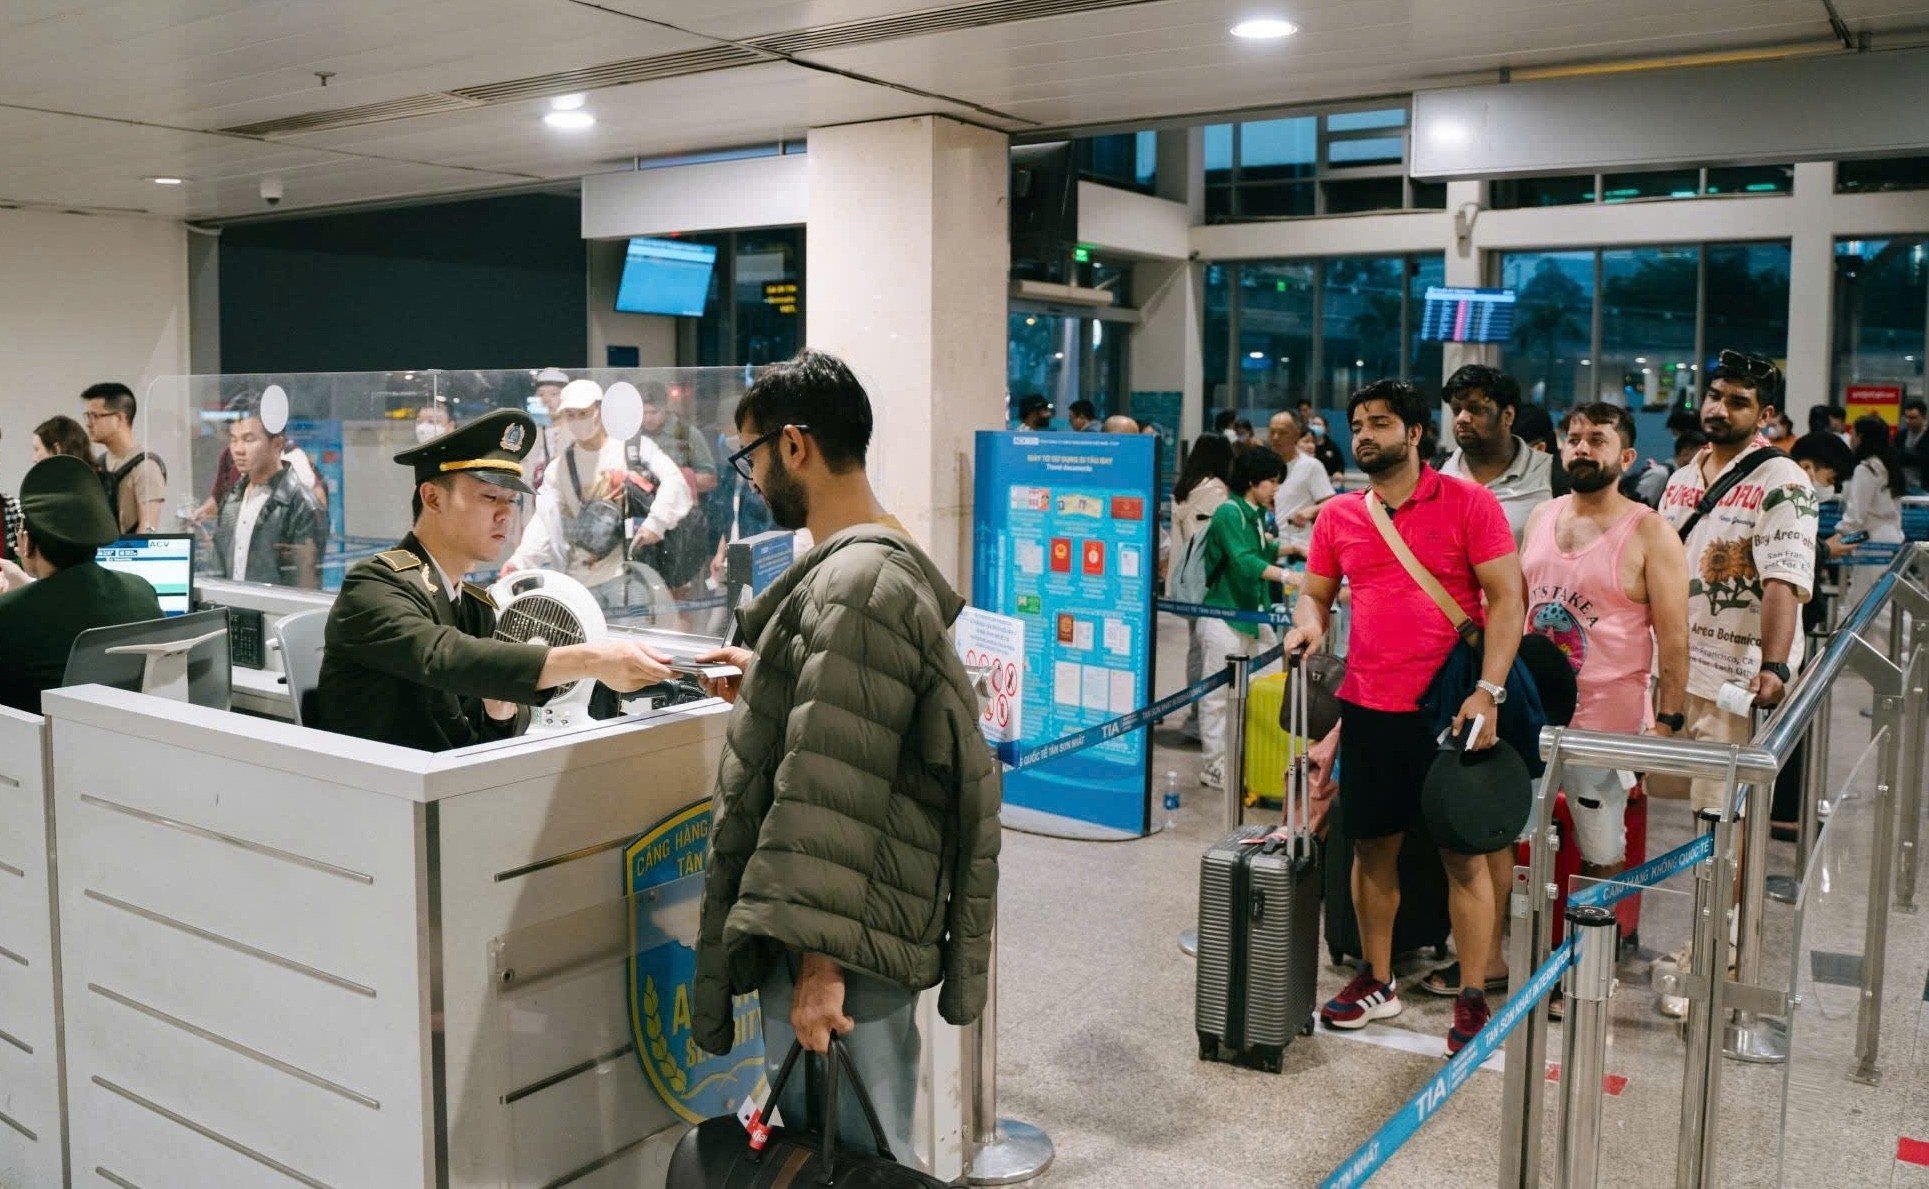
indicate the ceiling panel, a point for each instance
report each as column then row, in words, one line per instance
column 744, row 19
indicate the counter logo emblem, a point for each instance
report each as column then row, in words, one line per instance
column 663, row 879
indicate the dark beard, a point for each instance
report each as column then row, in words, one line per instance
column 1382, row 461
column 1726, row 435
column 1591, row 477
column 789, row 504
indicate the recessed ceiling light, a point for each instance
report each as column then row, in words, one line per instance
column 570, row 120
column 566, row 103
column 167, row 181
column 1264, row 29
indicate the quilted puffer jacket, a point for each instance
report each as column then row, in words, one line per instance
column 856, row 810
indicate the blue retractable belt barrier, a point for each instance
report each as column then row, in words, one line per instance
column 1606, row 895
column 1395, row 1132
column 1201, row 611
column 1012, row 757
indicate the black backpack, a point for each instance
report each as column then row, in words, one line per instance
column 110, row 481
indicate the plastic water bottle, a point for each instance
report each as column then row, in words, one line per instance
column 1171, row 800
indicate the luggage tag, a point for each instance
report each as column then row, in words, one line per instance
column 751, row 1116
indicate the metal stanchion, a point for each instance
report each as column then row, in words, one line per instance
column 1915, row 709
column 1531, row 941
column 1750, row 1036
column 1596, row 935
column 1784, row 889
column 1868, row 1020
column 1700, row 1016
column 1006, row 1151
column 1232, row 765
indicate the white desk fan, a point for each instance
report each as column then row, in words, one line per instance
column 545, row 607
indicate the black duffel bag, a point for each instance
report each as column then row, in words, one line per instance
column 724, row 1153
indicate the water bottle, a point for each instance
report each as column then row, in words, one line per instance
column 1171, row 800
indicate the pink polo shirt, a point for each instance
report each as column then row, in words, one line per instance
column 1398, row 636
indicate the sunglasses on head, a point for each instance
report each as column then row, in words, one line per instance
column 1752, row 366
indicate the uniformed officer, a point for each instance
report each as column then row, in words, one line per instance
column 409, row 656
column 64, row 519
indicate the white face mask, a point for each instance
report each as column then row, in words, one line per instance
column 429, row 431
column 585, row 429
column 1232, row 435
column 1318, row 429
column 1772, row 433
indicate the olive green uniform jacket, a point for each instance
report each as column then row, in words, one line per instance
column 39, row 621
column 857, row 803
column 409, row 663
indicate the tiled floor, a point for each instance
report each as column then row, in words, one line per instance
column 1097, row 1042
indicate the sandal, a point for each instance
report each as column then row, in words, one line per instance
column 1445, row 982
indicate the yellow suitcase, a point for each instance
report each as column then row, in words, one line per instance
column 1268, row 748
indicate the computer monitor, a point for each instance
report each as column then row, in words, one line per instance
column 165, row 560
column 183, row 657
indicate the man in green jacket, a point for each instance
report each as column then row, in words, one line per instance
column 1242, row 562
column 854, row 851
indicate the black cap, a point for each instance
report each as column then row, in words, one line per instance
column 1476, row 802
column 62, row 497
column 1032, row 404
column 491, row 448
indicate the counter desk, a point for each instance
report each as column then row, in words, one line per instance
column 295, row 957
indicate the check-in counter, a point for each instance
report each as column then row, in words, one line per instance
column 30, row 1114
column 296, row 956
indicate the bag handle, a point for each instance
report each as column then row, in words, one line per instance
column 1422, row 577
column 839, row 1055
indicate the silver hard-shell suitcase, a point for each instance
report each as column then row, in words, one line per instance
column 1259, row 906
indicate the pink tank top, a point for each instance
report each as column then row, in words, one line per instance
column 1576, row 600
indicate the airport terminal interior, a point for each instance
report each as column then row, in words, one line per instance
column 442, row 439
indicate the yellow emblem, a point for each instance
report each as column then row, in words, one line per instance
column 512, row 436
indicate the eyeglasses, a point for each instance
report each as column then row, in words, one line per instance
column 90, row 418
column 1752, row 366
column 740, row 461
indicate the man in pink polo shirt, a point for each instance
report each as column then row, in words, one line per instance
column 1399, row 639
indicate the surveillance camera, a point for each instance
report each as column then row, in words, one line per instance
column 271, row 191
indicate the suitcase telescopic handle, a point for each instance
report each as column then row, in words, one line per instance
column 1299, row 797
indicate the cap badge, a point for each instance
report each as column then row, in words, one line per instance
column 512, row 436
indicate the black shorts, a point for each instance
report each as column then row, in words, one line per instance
column 1384, row 757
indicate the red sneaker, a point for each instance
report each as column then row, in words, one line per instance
column 1470, row 1015
column 1364, row 1000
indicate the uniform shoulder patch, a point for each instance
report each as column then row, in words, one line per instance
column 478, row 593
column 399, row 560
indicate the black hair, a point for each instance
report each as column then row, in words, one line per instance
column 118, row 397
column 248, row 408
column 1254, row 466
column 819, row 391
column 445, row 482
column 1689, row 439
column 1532, row 423
column 1244, row 424
column 1818, row 419
column 1767, row 387
column 1872, row 441
column 1916, row 404
column 654, row 392
column 1223, row 419
column 61, row 555
column 1085, row 409
column 1603, row 413
column 1500, row 387
column 1209, row 458
column 64, row 435
column 1825, row 450
column 1402, row 400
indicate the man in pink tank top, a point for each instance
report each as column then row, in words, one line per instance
column 1607, row 581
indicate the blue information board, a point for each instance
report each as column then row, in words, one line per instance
column 1065, row 539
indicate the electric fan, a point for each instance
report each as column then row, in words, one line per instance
column 545, row 607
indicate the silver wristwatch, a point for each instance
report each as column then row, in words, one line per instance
column 1497, row 692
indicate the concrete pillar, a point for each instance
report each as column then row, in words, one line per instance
column 1466, row 268
column 1811, row 293
column 909, row 253
column 1167, row 354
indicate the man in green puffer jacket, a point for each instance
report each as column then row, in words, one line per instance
column 854, row 846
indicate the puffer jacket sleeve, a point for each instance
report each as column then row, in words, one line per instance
column 955, row 745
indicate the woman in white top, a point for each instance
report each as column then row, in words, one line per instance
column 1198, row 492
column 1870, row 507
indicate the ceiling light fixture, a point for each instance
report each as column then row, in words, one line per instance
column 566, row 103
column 569, row 120
column 167, row 181
column 1264, row 29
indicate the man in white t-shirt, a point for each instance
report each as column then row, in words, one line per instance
column 597, row 469
column 1305, row 487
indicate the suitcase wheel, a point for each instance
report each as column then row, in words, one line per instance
column 1269, row 1058
column 1208, row 1047
column 1306, row 1029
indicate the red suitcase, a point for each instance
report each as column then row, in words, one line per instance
column 1567, row 862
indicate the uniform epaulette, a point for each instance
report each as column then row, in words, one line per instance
column 477, row 592
column 399, row 560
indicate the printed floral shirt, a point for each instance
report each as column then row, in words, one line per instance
column 1763, row 528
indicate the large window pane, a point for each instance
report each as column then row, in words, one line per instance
column 1662, row 183
column 1279, row 148
column 1219, row 152
column 1272, row 200
column 1424, row 360
column 1746, row 306
column 1647, row 325
column 1218, row 335
column 1360, row 324
column 1893, row 173
column 1356, row 121
column 1275, row 356
column 1365, row 194
column 1549, row 353
column 1751, row 179
column 1881, row 304
column 1035, row 358
column 769, row 284
column 1568, row 190
column 1367, row 150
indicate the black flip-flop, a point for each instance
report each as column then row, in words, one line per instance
column 1436, row 983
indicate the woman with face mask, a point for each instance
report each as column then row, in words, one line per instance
column 1324, row 448
column 431, row 422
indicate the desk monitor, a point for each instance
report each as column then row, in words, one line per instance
column 166, row 560
column 137, row 657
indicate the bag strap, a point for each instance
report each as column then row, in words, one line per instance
column 1722, row 486
column 575, row 480
column 839, row 1055
column 1422, row 577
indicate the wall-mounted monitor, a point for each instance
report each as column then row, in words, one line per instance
column 166, row 560
column 665, row 276
column 1453, row 315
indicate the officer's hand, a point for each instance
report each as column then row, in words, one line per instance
column 626, row 665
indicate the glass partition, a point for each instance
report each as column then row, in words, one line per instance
column 325, row 493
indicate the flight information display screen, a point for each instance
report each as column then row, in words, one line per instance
column 1454, row 315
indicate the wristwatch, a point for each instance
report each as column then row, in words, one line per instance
column 1777, row 668
column 1674, row 722
column 1497, row 692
